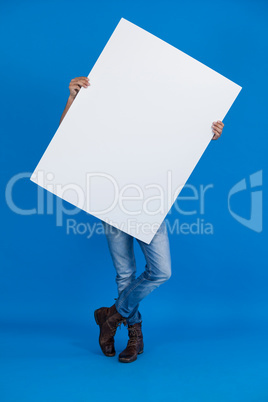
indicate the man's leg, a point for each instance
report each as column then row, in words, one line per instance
column 108, row 318
column 121, row 248
column 157, row 271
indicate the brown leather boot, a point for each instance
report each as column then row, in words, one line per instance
column 134, row 346
column 108, row 320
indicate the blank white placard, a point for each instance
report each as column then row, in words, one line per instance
column 137, row 131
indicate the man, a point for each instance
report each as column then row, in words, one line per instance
column 131, row 290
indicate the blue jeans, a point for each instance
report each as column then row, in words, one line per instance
column 132, row 290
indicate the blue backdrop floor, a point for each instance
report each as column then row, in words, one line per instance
column 181, row 362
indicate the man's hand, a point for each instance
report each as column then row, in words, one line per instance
column 76, row 84
column 217, row 127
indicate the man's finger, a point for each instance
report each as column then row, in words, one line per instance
column 80, row 78
column 219, row 123
column 81, row 83
column 217, row 132
column 75, row 87
column 217, row 129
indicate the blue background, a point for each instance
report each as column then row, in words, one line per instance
column 205, row 330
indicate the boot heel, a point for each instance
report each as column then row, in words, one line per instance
column 96, row 318
column 140, row 352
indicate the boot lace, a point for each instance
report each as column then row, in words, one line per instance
column 133, row 336
column 118, row 324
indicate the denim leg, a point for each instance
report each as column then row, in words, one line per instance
column 121, row 248
column 157, row 271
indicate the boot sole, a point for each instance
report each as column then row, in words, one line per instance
column 98, row 323
column 122, row 360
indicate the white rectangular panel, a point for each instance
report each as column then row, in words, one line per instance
column 138, row 130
